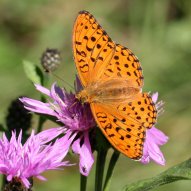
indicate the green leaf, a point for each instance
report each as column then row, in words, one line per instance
column 33, row 72
column 181, row 171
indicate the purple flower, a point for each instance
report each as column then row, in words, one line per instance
column 77, row 120
column 24, row 161
column 154, row 139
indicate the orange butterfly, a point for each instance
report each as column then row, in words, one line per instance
column 112, row 79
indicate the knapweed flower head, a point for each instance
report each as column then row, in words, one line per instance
column 154, row 139
column 23, row 161
column 77, row 119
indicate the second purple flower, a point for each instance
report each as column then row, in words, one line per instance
column 76, row 118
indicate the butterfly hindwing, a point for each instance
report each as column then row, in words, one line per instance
column 124, row 124
column 125, row 134
column 142, row 109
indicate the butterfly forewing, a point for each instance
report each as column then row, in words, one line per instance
column 124, row 64
column 92, row 47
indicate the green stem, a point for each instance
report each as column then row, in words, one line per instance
column 100, row 164
column 83, row 182
column 3, row 182
column 40, row 123
column 110, row 170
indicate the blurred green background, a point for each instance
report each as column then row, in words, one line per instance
column 157, row 31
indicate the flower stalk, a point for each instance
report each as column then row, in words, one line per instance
column 83, row 182
column 100, row 165
column 110, row 170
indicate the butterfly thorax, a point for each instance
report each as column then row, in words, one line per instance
column 83, row 97
column 109, row 91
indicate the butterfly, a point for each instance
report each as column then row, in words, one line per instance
column 112, row 81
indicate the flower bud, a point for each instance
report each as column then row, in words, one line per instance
column 50, row 59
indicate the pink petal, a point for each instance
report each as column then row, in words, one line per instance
column 160, row 137
column 86, row 156
column 37, row 106
column 151, row 150
column 42, row 89
column 9, row 177
column 55, row 94
column 41, row 178
column 25, row 182
column 155, row 97
column 49, row 134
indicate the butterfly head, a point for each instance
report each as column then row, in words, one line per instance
column 82, row 96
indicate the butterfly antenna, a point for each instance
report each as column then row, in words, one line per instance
column 63, row 80
column 50, row 61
